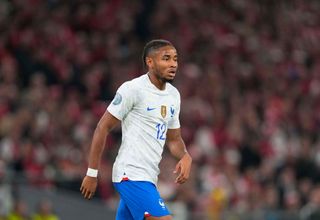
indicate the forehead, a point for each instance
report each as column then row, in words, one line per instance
column 166, row 50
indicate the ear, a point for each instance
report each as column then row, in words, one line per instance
column 149, row 62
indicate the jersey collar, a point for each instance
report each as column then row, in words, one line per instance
column 151, row 85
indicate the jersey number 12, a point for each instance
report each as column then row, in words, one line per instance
column 161, row 129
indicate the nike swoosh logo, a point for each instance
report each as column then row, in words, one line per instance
column 150, row 109
column 161, row 203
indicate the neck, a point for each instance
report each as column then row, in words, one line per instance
column 159, row 83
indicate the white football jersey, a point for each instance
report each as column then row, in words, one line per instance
column 146, row 113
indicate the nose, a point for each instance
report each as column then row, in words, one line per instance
column 173, row 63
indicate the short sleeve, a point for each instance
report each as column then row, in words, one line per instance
column 123, row 101
column 174, row 121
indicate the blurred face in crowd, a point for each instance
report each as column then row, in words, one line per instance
column 163, row 63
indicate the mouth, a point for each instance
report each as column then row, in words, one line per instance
column 172, row 73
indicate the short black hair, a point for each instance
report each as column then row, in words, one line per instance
column 151, row 46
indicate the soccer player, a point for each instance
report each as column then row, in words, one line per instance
column 148, row 108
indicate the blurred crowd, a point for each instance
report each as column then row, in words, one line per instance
column 20, row 211
column 249, row 79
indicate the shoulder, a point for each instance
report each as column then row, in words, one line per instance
column 130, row 85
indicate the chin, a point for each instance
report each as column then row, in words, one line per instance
column 169, row 80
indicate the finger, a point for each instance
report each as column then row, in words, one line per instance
column 91, row 195
column 83, row 192
column 184, row 176
column 182, row 173
column 179, row 178
column 176, row 170
column 88, row 195
column 182, row 179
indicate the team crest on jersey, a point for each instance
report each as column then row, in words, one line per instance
column 163, row 111
column 117, row 99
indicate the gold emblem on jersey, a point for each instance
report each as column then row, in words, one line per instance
column 163, row 111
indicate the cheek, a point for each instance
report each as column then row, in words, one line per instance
column 158, row 66
column 162, row 65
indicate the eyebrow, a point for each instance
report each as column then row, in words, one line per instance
column 168, row 55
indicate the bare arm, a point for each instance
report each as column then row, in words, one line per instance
column 105, row 125
column 178, row 149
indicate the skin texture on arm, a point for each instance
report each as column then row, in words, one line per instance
column 105, row 125
column 178, row 149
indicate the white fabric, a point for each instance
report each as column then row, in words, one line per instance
column 139, row 104
column 92, row 172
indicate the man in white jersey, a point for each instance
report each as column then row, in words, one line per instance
column 148, row 108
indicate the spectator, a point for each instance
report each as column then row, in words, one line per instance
column 19, row 211
column 251, row 120
column 311, row 210
column 5, row 191
column 45, row 212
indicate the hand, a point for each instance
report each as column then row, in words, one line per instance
column 88, row 186
column 183, row 168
